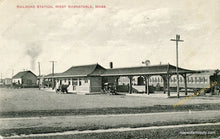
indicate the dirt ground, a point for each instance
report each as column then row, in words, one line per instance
column 34, row 99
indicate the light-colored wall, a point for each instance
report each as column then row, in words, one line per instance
column 8, row 81
column 16, row 80
column 83, row 88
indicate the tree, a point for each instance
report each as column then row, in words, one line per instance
column 146, row 62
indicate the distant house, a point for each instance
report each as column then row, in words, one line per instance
column 25, row 79
column 7, row 82
column 1, row 82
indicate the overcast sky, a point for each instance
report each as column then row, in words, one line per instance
column 126, row 32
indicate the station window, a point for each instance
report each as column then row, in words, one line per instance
column 174, row 79
column 181, row 79
column 86, row 80
column 192, row 79
column 203, row 79
column 200, row 79
column 206, row 80
column 196, row 80
column 80, row 82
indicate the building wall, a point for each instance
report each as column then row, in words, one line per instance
column 76, row 85
column 17, row 80
column 29, row 80
column 7, row 81
column 95, row 84
column 83, row 85
column 109, row 80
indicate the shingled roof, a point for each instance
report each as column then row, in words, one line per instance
column 81, row 71
column 52, row 75
column 22, row 74
column 97, row 70
column 146, row 70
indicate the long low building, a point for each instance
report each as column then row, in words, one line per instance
column 91, row 78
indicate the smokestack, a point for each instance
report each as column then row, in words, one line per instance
column 111, row 65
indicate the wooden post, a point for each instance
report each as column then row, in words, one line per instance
column 130, row 85
column 164, row 84
column 185, row 83
column 146, row 78
column 168, row 85
column 116, row 82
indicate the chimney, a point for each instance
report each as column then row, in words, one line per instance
column 111, row 65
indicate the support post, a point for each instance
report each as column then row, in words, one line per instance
column 164, row 84
column 168, row 85
column 185, row 83
column 130, row 85
column 116, row 82
column 146, row 78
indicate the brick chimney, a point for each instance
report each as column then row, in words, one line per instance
column 111, row 65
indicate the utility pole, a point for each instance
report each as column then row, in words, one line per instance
column 12, row 73
column 52, row 73
column 39, row 78
column 1, row 77
column 177, row 73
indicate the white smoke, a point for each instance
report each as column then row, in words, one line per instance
column 33, row 50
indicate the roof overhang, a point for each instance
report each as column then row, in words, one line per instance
column 65, row 76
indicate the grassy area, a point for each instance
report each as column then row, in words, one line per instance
column 41, row 130
column 152, row 134
column 120, row 110
column 20, row 100
column 34, row 102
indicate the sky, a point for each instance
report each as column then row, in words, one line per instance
column 126, row 33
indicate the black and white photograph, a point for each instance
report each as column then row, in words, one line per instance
column 110, row 69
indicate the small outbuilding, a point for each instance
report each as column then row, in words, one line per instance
column 25, row 79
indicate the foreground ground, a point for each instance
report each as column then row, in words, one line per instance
column 10, row 126
column 34, row 99
column 195, row 132
column 33, row 111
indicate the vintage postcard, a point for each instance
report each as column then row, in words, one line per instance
column 109, row 69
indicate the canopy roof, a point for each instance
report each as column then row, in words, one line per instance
column 97, row 70
column 147, row 70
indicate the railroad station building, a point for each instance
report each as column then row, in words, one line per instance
column 91, row 78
